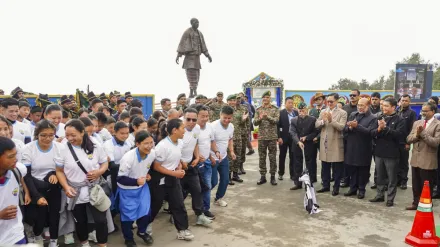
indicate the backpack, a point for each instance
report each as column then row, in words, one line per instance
column 18, row 176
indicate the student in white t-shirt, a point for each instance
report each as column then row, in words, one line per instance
column 136, row 125
column 54, row 114
column 167, row 170
column 133, row 191
column 101, row 130
column 207, row 161
column 6, row 130
column 21, row 131
column 39, row 158
column 223, row 132
column 11, row 226
column 190, row 159
column 35, row 117
column 75, row 182
column 23, row 112
column 115, row 149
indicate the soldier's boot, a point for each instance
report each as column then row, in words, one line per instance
column 273, row 181
column 236, row 178
column 262, row 180
column 230, row 179
column 243, row 172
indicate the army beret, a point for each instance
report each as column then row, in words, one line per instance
column 302, row 105
column 219, row 93
column 231, row 97
column 64, row 99
column 267, row 93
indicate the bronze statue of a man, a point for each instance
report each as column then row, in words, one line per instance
column 192, row 45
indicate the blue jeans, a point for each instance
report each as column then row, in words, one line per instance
column 205, row 170
column 220, row 169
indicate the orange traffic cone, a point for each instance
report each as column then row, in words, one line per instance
column 423, row 229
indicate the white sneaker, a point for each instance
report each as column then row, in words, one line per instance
column 150, row 229
column 203, row 220
column 53, row 243
column 39, row 240
column 221, row 203
column 134, row 226
column 185, row 235
column 92, row 237
column 68, row 239
column 86, row 245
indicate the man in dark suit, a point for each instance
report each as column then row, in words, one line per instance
column 303, row 131
column 359, row 149
column 284, row 139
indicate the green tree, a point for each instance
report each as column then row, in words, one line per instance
column 364, row 85
column 344, row 84
column 378, row 84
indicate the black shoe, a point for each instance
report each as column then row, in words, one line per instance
column 210, row 215
column 239, row 172
column 146, row 237
column 361, row 195
column 344, row 185
column 377, row 199
column 351, row 193
column 116, row 228
column 236, row 178
column 296, row 187
column 243, row 172
column 403, row 186
column 262, row 180
column 251, row 152
column 273, row 181
column 280, row 177
column 390, row 203
column 130, row 243
column 374, row 186
column 322, row 190
column 335, row 192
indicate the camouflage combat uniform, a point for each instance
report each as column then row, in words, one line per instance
column 214, row 113
column 267, row 137
column 245, row 136
column 239, row 127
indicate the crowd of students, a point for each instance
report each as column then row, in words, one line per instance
column 67, row 171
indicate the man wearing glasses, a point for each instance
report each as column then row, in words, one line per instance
column 349, row 108
column 331, row 122
column 189, row 160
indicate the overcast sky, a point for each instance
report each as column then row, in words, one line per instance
column 57, row 46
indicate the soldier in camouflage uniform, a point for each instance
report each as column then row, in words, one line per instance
column 244, row 131
column 266, row 117
column 181, row 103
column 238, row 120
column 216, row 107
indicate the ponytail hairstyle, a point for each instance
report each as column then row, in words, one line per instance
column 87, row 144
column 141, row 136
column 42, row 125
column 137, row 121
column 173, row 124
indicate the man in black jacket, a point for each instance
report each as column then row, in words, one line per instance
column 303, row 131
column 387, row 135
column 409, row 116
column 358, row 154
column 349, row 108
column 284, row 139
